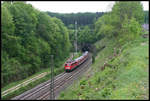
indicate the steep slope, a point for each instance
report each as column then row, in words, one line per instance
column 119, row 75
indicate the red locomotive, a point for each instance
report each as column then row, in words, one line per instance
column 71, row 65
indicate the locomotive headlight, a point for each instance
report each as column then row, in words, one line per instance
column 67, row 67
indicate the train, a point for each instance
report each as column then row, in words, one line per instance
column 71, row 65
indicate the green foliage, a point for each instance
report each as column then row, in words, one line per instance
column 85, row 27
column 129, row 8
column 87, row 36
column 146, row 17
column 131, row 29
column 29, row 38
column 7, row 22
column 128, row 80
column 24, row 17
column 83, row 82
column 11, row 45
column 84, row 35
column 10, row 71
column 123, row 23
column 30, row 85
column 121, row 27
column 102, row 24
column 83, row 19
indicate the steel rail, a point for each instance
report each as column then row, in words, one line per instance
column 42, row 91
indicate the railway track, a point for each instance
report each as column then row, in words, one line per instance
column 24, row 83
column 61, row 81
column 64, row 83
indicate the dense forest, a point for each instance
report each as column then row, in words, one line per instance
column 146, row 17
column 81, row 18
column 87, row 24
column 29, row 38
column 84, row 19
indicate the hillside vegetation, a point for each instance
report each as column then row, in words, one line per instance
column 120, row 70
column 29, row 38
column 124, row 77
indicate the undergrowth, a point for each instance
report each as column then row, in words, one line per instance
column 126, row 76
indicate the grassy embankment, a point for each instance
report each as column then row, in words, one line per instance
column 126, row 76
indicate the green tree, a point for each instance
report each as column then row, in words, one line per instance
column 119, row 23
column 29, row 37
column 24, row 16
column 130, row 9
column 131, row 29
column 105, row 26
column 7, row 22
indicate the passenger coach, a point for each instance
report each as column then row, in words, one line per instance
column 71, row 65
